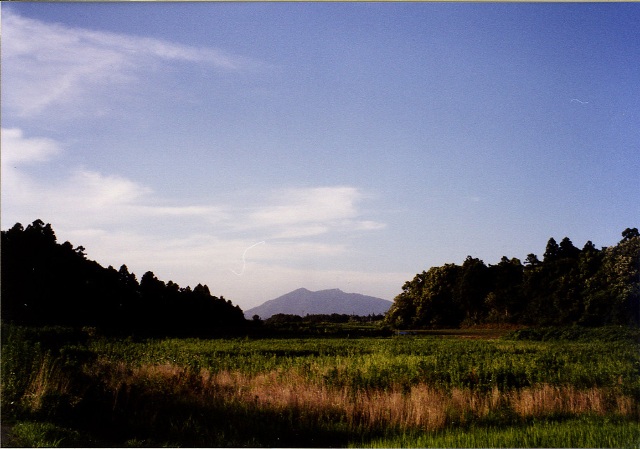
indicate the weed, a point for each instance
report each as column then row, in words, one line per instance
column 45, row 434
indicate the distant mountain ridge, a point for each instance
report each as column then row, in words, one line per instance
column 305, row 302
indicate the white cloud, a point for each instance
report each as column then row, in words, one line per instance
column 181, row 211
column 305, row 212
column 89, row 198
column 294, row 232
column 368, row 225
column 16, row 149
column 47, row 65
column 121, row 221
column 91, row 190
column 83, row 198
column 309, row 205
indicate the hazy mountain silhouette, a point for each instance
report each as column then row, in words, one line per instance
column 305, row 302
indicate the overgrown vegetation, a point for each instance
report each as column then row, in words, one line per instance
column 413, row 390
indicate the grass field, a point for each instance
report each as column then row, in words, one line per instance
column 447, row 389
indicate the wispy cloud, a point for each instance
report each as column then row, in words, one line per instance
column 47, row 65
column 309, row 205
column 16, row 149
column 88, row 197
column 368, row 225
column 82, row 198
column 304, row 212
column 122, row 221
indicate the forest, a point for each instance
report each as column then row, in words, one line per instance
column 569, row 286
column 47, row 283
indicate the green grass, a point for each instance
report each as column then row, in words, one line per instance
column 46, row 434
column 585, row 433
column 381, row 363
column 67, row 387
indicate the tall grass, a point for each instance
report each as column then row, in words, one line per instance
column 314, row 392
column 422, row 405
column 381, row 363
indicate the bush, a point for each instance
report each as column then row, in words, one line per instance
column 577, row 333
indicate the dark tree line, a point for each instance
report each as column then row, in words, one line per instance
column 587, row 286
column 283, row 325
column 46, row 283
column 319, row 318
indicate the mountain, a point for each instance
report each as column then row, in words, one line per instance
column 305, row 302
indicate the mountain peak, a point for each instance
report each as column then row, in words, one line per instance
column 304, row 302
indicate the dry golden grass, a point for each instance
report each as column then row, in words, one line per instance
column 547, row 399
column 422, row 406
column 133, row 390
column 46, row 379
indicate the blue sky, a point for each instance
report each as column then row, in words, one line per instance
column 263, row 147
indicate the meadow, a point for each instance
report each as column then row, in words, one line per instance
column 554, row 388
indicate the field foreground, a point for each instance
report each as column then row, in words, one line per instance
column 67, row 388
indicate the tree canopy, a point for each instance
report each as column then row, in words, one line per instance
column 569, row 286
column 46, row 283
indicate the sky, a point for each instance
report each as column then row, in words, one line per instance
column 263, row 147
